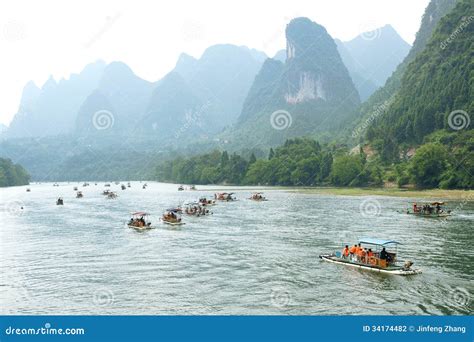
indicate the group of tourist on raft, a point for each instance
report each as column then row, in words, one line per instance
column 357, row 253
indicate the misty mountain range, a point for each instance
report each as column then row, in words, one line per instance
column 107, row 123
column 203, row 95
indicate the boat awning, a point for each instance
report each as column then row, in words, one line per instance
column 139, row 213
column 379, row 242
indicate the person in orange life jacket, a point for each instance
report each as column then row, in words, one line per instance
column 345, row 252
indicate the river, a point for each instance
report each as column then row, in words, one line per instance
column 246, row 258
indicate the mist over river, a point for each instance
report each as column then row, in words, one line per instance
column 247, row 258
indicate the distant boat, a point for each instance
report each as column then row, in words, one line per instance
column 60, row 201
column 28, row 190
column 112, row 195
column 258, row 197
column 431, row 209
column 224, row 196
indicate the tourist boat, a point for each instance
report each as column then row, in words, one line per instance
column 192, row 187
column 28, row 190
column 195, row 209
column 75, row 188
column 79, row 194
column 123, row 187
column 172, row 217
column 258, row 196
column 105, row 192
column 107, row 184
column 205, row 202
column 389, row 265
column 431, row 209
column 180, row 188
column 60, row 201
column 224, row 196
column 112, row 195
column 140, row 221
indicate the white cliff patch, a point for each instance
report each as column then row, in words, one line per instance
column 310, row 88
column 290, row 51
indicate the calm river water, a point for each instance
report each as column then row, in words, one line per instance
column 247, row 258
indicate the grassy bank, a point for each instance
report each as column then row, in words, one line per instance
column 395, row 192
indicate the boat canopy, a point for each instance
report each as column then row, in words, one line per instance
column 379, row 242
column 140, row 213
column 431, row 203
column 175, row 210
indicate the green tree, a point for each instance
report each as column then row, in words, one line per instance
column 346, row 169
column 428, row 165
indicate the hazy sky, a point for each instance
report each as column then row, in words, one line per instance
column 47, row 37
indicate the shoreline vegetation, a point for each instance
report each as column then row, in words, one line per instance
column 12, row 174
column 303, row 162
column 454, row 194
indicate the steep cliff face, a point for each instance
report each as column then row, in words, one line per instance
column 314, row 67
column 312, row 86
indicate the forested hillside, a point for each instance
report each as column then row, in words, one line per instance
column 12, row 174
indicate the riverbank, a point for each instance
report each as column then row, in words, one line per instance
column 394, row 192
